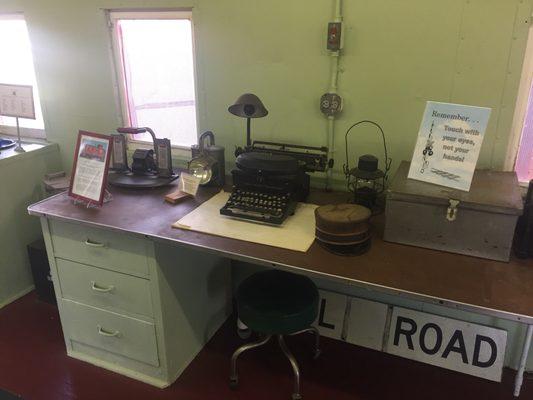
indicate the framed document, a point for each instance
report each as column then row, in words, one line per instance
column 91, row 164
column 17, row 101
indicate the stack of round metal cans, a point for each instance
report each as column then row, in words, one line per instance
column 343, row 228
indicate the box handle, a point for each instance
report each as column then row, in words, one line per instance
column 451, row 213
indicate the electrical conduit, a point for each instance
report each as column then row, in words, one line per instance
column 334, row 66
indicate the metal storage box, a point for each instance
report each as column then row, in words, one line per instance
column 478, row 223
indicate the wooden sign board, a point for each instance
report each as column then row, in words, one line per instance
column 460, row 346
column 17, row 101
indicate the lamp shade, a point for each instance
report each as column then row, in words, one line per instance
column 248, row 105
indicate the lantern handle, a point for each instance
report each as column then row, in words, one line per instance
column 388, row 161
column 203, row 137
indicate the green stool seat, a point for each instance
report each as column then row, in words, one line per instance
column 277, row 303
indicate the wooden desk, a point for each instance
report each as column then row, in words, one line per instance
column 482, row 286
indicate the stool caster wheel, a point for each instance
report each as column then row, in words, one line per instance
column 296, row 396
column 244, row 333
column 233, row 383
column 317, row 354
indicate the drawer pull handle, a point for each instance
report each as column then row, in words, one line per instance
column 102, row 289
column 105, row 332
column 90, row 243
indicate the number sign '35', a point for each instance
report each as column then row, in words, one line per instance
column 469, row 348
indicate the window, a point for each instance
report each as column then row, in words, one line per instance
column 520, row 147
column 16, row 68
column 155, row 62
column 524, row 159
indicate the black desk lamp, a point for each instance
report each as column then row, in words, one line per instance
column 248, row 106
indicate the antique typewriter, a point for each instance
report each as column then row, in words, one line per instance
column 266, row 187
column 268, row 183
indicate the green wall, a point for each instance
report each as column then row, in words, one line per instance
column 21, row 186
column 397, row 56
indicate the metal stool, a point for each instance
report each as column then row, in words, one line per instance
column 276, row 303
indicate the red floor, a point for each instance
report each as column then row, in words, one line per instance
column 33, row 364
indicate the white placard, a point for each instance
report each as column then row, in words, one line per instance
column 188, row 183
column 331, row 312
column 366, row 323
column 461, row 346
column 17, row 101
column 448, row 144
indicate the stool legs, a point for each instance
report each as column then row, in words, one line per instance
column 234, row 377
column 242, row 330
column 296, row 394
column 317, row 339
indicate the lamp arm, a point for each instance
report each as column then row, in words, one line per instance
column 248, row 134
column 151, row 132
column 388, row 161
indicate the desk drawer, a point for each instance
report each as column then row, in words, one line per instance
column 105, row 289
column 112, row 332
column 99, row 247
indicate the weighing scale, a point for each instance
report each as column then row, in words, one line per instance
column 150, row 168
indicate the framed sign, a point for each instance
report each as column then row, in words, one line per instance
column 91, row 165
column 448, row 144
column 17, row 101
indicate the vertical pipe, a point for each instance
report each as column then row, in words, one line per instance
column 521, row 368
column 331, row 148
column 338, row 8
column 334, row 66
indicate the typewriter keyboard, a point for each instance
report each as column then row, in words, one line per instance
column 266, row 207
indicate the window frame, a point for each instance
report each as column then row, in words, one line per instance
column 112, row 15
column 26, row 133
column 526, row 85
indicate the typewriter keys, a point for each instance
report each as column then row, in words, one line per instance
column 259, row 206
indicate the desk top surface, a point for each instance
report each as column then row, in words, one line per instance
column 488, row 287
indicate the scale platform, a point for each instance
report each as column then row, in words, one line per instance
column 130, row 180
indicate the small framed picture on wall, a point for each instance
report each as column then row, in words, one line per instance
column 91, row 165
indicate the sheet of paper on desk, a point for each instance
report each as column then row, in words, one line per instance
column 297, row 233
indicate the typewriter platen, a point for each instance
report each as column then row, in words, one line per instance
column 268, row 184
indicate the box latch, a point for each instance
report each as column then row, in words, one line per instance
column 451, row 214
